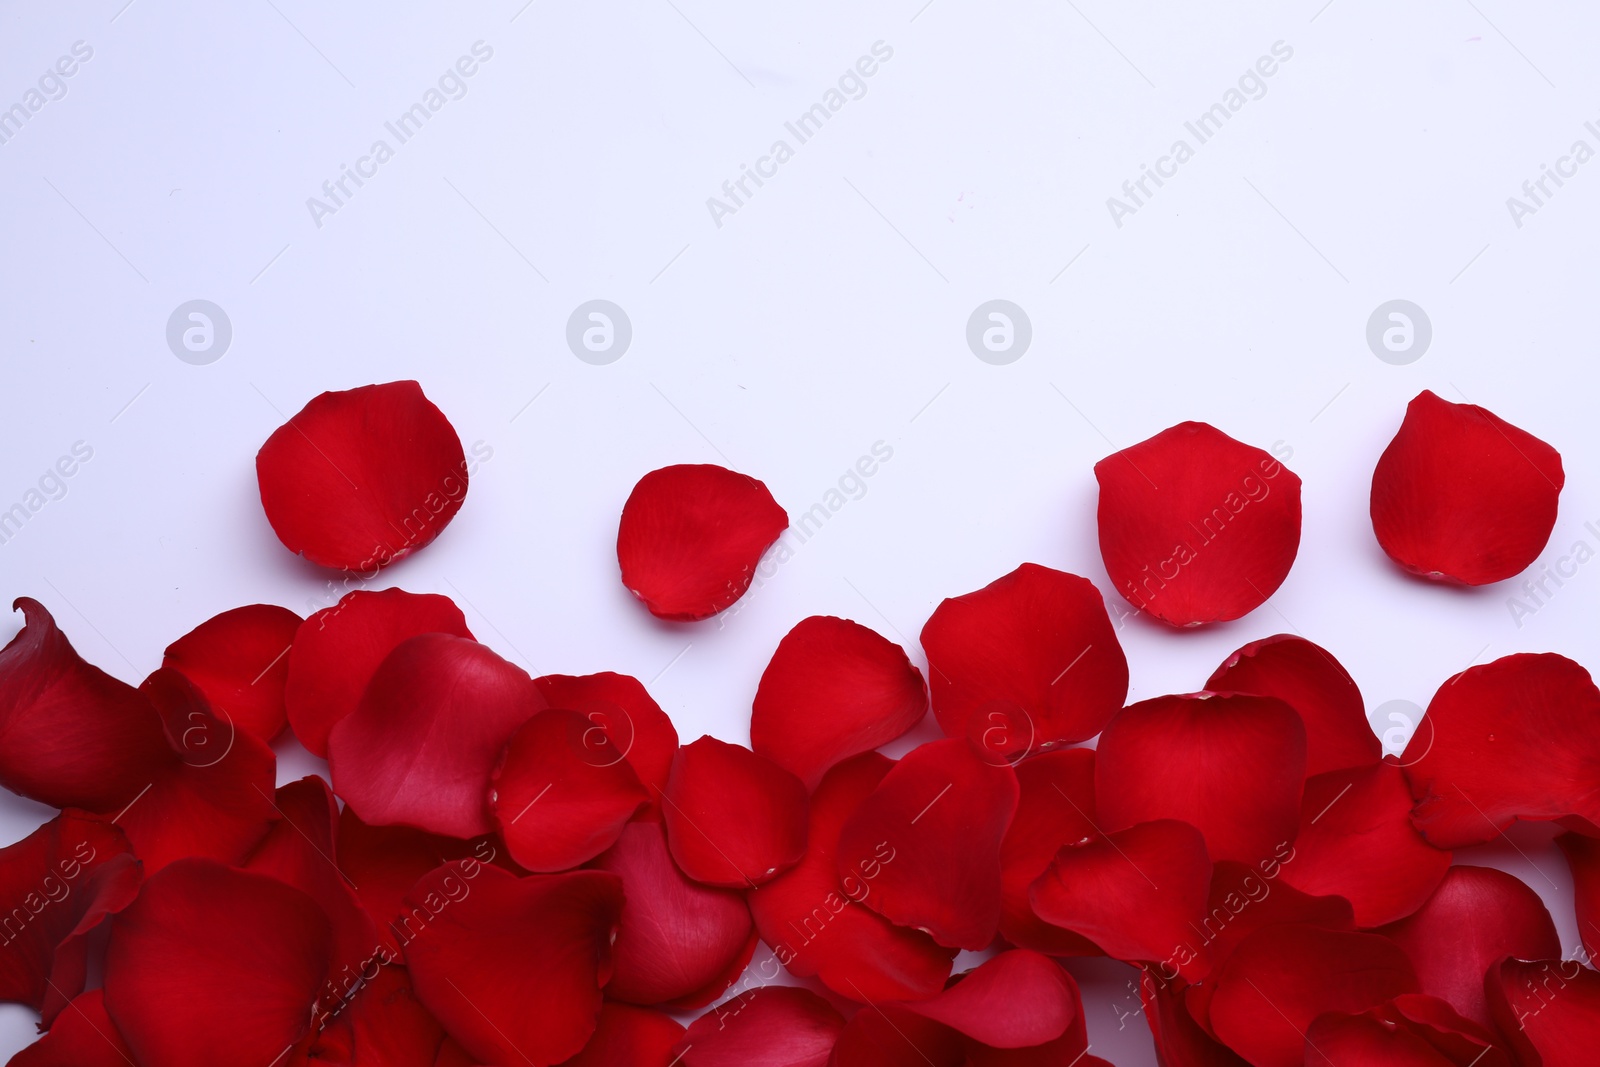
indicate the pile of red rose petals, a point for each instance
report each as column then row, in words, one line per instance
column 506, row 870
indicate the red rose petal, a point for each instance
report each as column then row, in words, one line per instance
column 1179, row 1040
column 1055, row 808
column 815, row 920
column 361, row 478
column 337, row 650
column 1140, row 894
column 691, row 536
column 1356, row 840
column 772, row 1026
column 630, row 722
column 1518, row 738
column 935, row 824
column 1244, row 899
column 1549, row 1010
column 1308, row 679
column 1477, row 915
column 380, row 1023
column 1230, row 765
column 733, row 818
column 892, row 1036
column 833, row 689
column 1014, row 1000
column 679, row 943
column 1281, row 978
column 1462, row 495
column 1027, row 661
column 630, row 1037
column 212, row 965
column 421, row 746
column 513, row 966
column 557, row 801
column 1409, row 1031
column 1583, row 856
column 84, row 1036
column 1196, row 527
column 240, row 660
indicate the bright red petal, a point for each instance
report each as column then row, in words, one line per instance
column 1230, row 765
column 1518, row 738
column 1017, row 999
column 1028, row 661
column 1055, row 808
column 1179, row 1040
column 421, row 746
column 337, row 649
column 361, row 478
column 1549, row 1010
column 1244, row 899
column 1583, row 856
column 630, row 1037
column 1308, row 679
column 933, row 828
column 771, row 1026
column 1409, row 1031
column 84, row 1036
column 833, row 689
column 733, row 818
column 631, row 725
column 691, row 536
column 240, row 660
column 1196, row 527
column 1461, row 495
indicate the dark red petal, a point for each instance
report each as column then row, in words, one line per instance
column 1140, row 894
column 1549, row 1010
column 630, row 1037
column 240, row 660
column 1196, row 527
column 1179, row 1040
column 1462, row 495
column 1477, row 915
column 1230, row 765
column 56, row 885
column 557, row 800
column 1356, row 841
column 1518, row 738
column 1055, row 808
column 421, row 746
column 1308, row 679
column 815, row 920
column 513, row 966
column 337, row 649
column 361, row 478
column 771, row 1026
column 378, row 1022
column 1409, row 1031
column 691, row 536
column 892, row 1036
column 84, row 1036
column 631, row 725
column 1244, row 899
column 1281, row 978
column 1016, row 999
column 212, row 965
column 70, row 734
column 833, row 689
column 733, row 818
column 1583, row 856
column 678, row 940
column 933, row 828
column 1027, row 661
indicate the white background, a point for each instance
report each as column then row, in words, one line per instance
column 826, row 314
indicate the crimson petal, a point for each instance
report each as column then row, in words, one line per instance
column 1583, row 856
column 1196, row 527
column 84, row 1036
column 771, row 1026
column 691, row 536
column 1408, row 1031
column 1179, row 1040
column 380, row 1023
column 1244, row 899
column 1014, row 1000
column 1055, row 808
column 630, row 722
column 630, row 1037
column 1462, row 495
column 240, row 661
column 890, row 1035
column 733, row 818
column 1548, row 1009
column 361, row 478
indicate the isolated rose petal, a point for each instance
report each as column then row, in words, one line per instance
column 240, row 661
column 1139, row 894
column 1196, row 527
column 691, row 536
column 935, row 824
column 733, row 818
column 814, row 918
column 1306, row 677
column 1583, row 857
column 679, row 943
column 1027, row 661
column 626, row 722
column 1409, row 1031
column 1243, row 899
column 1179, row 1040
column 1016, row 999
column 1548, row 1009
column 1055, row 808
column 770, row 1026
column 557, row 801
column 361, row 478
column 84, row 1036
column 421, row 746
column 513, row 966
column 337, row 649
column 1476, row 916
column 1230, row 765
column 833, row 689
column 213, row 965
column 892, row 1036
column 1461, row 495
column 627, row 1036
column 1518, row 738
column 1281, row 978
